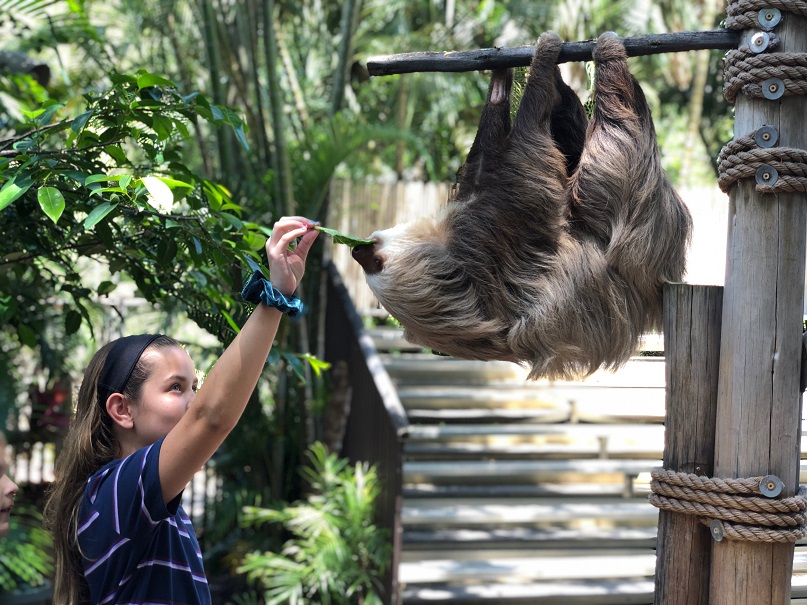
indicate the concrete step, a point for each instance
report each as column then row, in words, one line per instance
column 580, row 592
column 582, row 403
column 486, row 415
column 606, row 512
column 420, row 543
column 411, row 368
column 524, row 471
column 420, row 368
column 481, row 570
column 593, row 578
column 639, row 486
column 502, row 441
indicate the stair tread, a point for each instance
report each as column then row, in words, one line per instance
column 459, row 511
column 533, row 537
column 581, row 592
column 654, row 431
column 477, row 468
column 543, row 490
column 617, row 564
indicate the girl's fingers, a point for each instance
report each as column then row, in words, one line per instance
column 285, row 239
column 305, row 243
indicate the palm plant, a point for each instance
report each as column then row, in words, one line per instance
column 336, row 555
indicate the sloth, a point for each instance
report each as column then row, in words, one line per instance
column 558, row 237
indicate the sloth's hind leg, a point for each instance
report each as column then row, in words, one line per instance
column 620, row 193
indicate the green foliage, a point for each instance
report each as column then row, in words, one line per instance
column 108, row 187
column 25, row 553
column 336, row 554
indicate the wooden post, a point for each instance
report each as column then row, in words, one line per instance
column 759, row 415
column 692, row 317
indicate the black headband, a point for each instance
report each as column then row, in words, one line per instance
column 121, row 360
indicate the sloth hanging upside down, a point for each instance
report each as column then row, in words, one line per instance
column 554, row 247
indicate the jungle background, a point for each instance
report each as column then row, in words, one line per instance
column 146, row 148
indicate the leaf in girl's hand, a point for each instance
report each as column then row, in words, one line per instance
column 343, row 238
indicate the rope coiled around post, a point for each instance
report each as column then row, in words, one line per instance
column 738, row 503
column 743, row 14
column 761, row 73
column 741, row 158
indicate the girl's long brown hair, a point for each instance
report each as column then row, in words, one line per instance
column 90, row 444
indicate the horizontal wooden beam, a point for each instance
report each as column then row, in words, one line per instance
column 520, row 56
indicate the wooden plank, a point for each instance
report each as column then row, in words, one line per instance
column 692, row 335
column 759, row 414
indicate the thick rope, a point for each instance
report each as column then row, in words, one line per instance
column 744, row 71
column 742, row 14
column 745, row 514
column 741, row 158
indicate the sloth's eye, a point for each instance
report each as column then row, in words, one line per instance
column 378, row 264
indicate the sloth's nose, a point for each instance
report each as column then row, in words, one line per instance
column 364, row 255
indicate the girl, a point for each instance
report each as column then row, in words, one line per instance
column 8, row 489
column 140, row 433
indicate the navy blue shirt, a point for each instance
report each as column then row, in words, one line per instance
column 137, row 549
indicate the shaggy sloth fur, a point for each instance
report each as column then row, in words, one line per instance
column 555, row 245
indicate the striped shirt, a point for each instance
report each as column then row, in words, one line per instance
column 137, row 549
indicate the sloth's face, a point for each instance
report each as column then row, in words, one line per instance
column 399, row 267
column 387, row 245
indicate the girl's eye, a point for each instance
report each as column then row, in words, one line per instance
column 176, row 387
column 194, row 388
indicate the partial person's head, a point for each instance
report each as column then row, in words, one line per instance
column 8, row 489
column 134, row 392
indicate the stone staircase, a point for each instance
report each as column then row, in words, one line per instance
column 520, row 492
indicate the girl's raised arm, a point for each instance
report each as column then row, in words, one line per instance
column 223, row 396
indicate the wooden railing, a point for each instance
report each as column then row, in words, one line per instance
column 377, row 423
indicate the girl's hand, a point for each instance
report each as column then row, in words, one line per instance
column 286, row 266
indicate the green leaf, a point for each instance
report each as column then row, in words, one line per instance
column 105, row 287
column 296, row 365
column 72, row 322
column 231, row 321
column 146, row 79
column 81, row 121
column 254, row 241
column 14, row 189
column 52, row 202
column 317, row 365
column 342, row 238
column 96, row 178
column 160, row 195
column 27, row 335
column 166, row 250
column 98, row 213
column 162, row 126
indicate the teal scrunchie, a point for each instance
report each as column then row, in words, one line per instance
column 259, row 289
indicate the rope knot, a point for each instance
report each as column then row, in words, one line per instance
column 740, row 505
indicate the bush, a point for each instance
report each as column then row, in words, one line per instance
column 336, row 554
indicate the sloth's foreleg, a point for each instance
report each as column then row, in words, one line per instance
column 533, row 172
column 486, row 152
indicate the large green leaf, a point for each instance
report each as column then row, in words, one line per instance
column 52, row 202
column 14, row 189
column 98, row 213
column 343, row 238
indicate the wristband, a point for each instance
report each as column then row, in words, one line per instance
column 259, row 289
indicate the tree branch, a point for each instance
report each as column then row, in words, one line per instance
column 520, row 56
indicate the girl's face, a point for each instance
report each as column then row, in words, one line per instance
column 8, row 489
column 166, row 394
